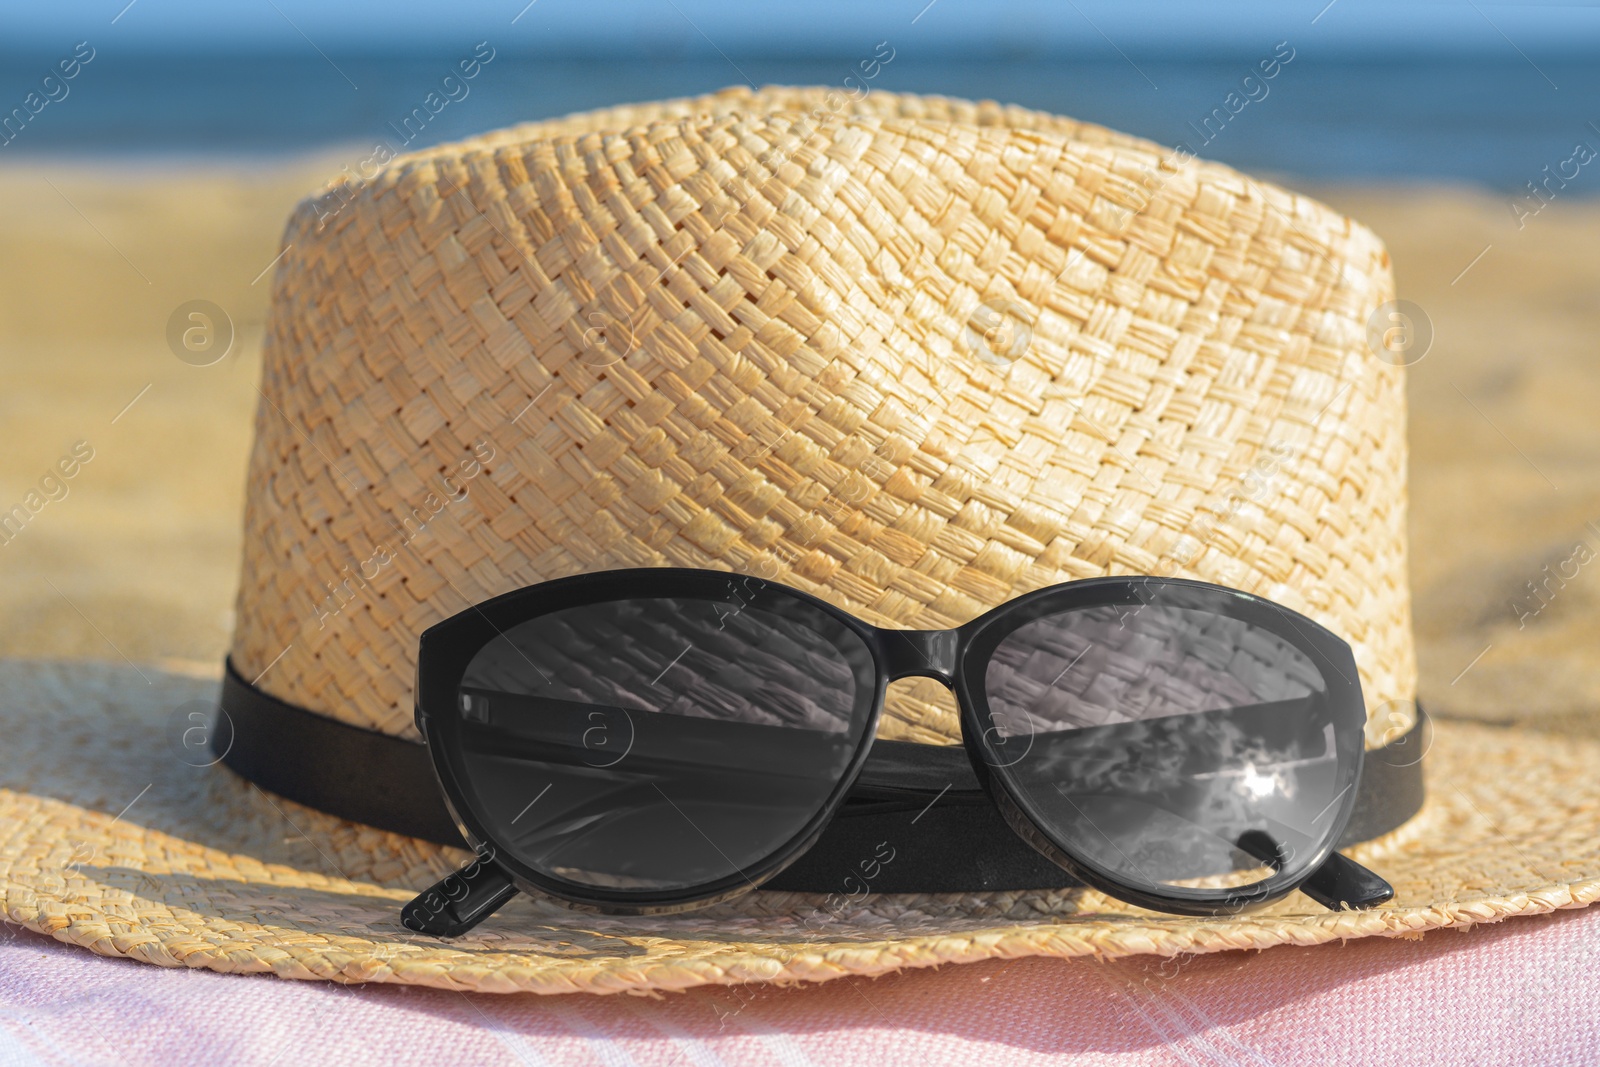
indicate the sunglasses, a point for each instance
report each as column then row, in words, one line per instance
column 658, row 740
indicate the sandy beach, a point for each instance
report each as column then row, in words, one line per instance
column 137, row 560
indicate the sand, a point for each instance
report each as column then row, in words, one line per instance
column 139, row 560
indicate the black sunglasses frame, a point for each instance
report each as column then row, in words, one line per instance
column 956, row 658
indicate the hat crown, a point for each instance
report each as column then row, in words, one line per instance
column 914, row 356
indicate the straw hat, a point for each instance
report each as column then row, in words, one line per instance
column 914, row 355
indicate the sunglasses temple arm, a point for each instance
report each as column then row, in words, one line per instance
column 460, row 900
column 1342, row 884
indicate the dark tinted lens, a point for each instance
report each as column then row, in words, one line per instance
column 1170, row 744
column 661, row 743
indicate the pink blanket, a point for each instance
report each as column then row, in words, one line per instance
column 1522, row 992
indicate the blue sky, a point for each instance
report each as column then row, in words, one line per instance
column 643, row 27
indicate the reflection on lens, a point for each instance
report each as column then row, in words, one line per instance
column 661, row 743
column 1169, row 743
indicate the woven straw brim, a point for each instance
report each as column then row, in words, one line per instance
column 112, row 842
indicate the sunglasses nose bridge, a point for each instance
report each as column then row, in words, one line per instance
column 919, row 654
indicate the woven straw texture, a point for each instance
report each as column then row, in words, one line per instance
column 110, row 841
column 915, row 356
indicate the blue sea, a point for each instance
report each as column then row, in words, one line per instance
column 1494, row 120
